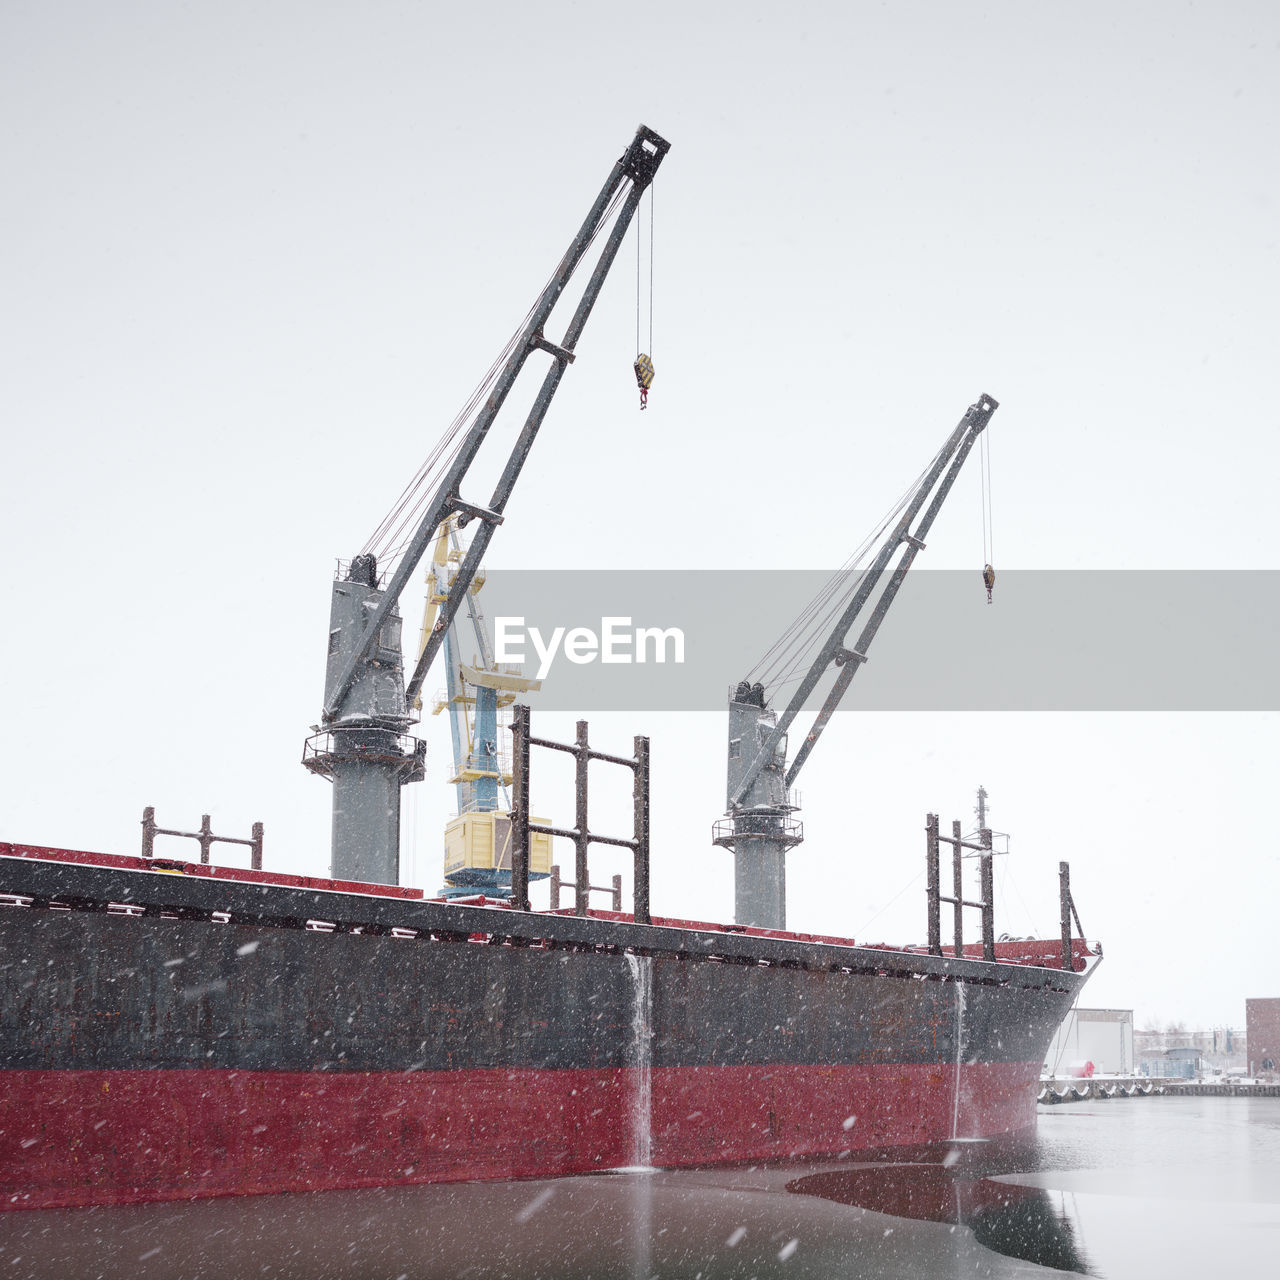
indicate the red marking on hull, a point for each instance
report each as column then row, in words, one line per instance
column 704, row 1115
column 204, row 871
column 70, row 1138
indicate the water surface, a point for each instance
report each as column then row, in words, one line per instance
column 1176, row 1188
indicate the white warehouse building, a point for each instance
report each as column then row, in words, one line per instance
column 1103, row 1037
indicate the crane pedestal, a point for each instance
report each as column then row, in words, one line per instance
column 365, row 752
column 367, row 767
column 759, row 839
column 762, row 827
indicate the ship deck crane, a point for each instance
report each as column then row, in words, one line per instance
column 361, row 744
column 760, row 824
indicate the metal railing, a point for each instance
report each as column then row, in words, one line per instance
column 986, row 904
column 377, row 746
column 772, row 824
column 205, row 836
column 581, row 835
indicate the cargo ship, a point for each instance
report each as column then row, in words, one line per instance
column 173, row 1029
column 225, row 1032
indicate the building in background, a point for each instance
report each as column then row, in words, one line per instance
column 1185, row 1054
column 1262, row 1027
column 1103, row 1037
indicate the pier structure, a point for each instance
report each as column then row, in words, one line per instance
column 1055, row 1090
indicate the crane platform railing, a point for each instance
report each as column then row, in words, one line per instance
column 322, row 749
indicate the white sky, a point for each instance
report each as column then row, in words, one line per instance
column 256, row 255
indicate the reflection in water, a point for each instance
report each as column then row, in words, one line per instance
column 1179, row 1189
column 1020, row 1222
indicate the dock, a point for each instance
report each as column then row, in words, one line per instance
column 1102, row 1088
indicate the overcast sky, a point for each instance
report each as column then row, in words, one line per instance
column 256, row 255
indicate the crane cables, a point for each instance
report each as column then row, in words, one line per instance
column 639, row 291
column 396, row 529
column 791, row 654
column 644, row 366
column 984, row 467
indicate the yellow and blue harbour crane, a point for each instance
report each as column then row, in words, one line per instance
column 478, row 840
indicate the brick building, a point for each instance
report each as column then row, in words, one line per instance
column 1262, row 1029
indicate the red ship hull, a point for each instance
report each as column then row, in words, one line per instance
column 114, row 1137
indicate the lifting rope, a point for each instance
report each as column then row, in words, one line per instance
column 789, row 657
column 643, row 365
column 988, row 539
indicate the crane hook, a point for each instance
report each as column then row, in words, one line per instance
column 644, row 377
column 988, row 579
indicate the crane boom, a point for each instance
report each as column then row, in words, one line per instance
column 976, row 419
column 638, row 165
column 361, row 744
column 759, row 827
column 955, row 451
